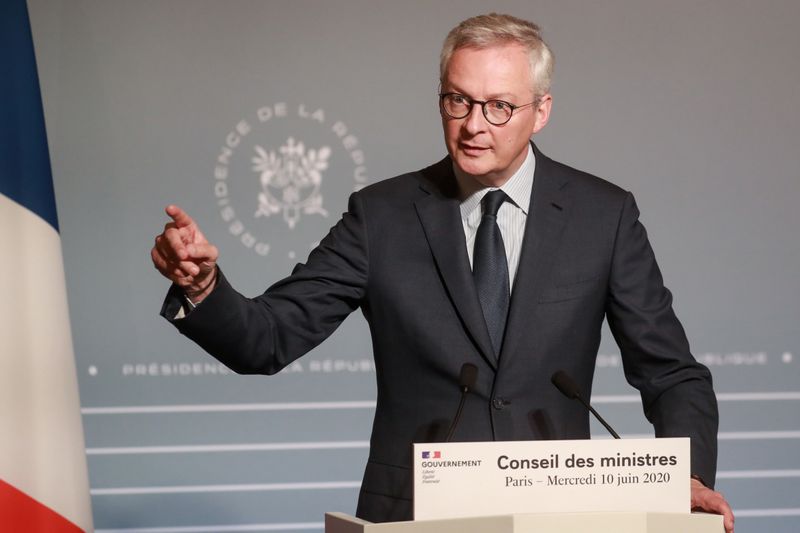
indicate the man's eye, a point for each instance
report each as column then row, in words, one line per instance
column 500, row 105
column 458, row 99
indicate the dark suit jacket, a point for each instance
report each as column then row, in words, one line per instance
column 399, row 254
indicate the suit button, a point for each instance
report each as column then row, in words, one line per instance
column 500, row 403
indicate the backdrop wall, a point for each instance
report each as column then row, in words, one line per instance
column 689, row 104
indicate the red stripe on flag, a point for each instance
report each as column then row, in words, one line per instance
column 20, row 512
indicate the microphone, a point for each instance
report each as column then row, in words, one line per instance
column 570, row 389
column 466, row 380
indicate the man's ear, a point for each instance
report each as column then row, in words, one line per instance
column 542, row 113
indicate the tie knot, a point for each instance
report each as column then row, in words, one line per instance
column 492, row 202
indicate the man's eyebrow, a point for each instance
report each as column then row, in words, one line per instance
column 500, row 96
column 494, row 96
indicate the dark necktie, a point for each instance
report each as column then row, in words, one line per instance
column 490, row 269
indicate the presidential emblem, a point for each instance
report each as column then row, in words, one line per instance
column 290, row 181
column 272, row 172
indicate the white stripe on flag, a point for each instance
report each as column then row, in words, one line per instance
column 41, row 444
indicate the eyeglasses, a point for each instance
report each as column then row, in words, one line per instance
column 497, row 112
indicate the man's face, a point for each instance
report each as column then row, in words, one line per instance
column 491, row 154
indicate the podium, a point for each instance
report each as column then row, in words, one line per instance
column 572, row 486
column 538, row 523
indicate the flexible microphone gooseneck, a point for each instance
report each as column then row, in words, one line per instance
column 466, row 380
column 570, row 389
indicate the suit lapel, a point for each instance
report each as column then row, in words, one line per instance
column 440, row 217
column 545, row 224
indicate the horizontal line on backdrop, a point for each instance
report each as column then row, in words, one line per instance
column 222, row 528
column 227, row 407
column 253, row 487
column 318, row 526
column 361, row 444
column 328, row 485
column 722, row 397
column 756, row 474
column 211, row 448
column 758, row 435
column 370, row 404
column 723, row 435
column 766, row 513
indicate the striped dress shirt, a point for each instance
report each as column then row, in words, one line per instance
column 511, row 217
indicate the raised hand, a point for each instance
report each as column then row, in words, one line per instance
column 184, row 256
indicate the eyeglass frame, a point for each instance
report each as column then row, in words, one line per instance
column 473, row 101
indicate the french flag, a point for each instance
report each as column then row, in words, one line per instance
column 43, row 477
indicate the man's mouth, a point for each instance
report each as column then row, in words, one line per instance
column 472, row 149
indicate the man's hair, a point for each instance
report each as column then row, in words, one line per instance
column 485, row 31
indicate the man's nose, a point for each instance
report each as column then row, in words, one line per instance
column 475, row 122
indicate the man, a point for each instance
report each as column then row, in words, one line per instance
column 449, row 271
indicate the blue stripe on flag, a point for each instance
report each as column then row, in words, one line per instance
column 24, row 160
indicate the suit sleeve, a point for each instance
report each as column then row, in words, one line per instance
column 676, row 390
column 262, row 335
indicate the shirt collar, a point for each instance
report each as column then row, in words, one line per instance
column 518, row 187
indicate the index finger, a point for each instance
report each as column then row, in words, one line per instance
column 181, row 218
